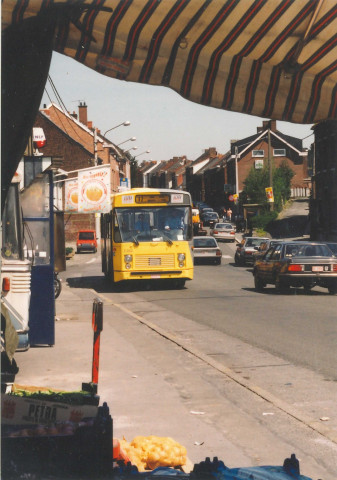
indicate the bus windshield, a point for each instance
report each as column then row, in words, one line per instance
column 152, row 224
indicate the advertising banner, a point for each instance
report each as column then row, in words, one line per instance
column 71, row 195
column 94, row 190
column 269, row 194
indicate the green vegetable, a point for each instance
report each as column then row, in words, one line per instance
column 71, row 398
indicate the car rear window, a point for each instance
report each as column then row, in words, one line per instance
column 307, row 251
column 254, row 242
column 204, row 242
column 86, row 236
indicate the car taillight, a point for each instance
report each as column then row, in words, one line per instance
column 218, row 253
column 232, row 233
column 334, row 267
column 295, row 268
column 215, row 231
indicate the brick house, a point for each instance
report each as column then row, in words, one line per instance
column 197, row 178
column 168, row 174
column 143, row 171
column 72, row 138
column 253, row 152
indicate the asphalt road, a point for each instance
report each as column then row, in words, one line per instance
column 301, row 328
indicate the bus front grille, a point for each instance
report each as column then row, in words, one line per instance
column 20, row 282
column 153, row 261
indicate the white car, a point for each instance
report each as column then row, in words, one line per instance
column 224, row 231
column 206, row 248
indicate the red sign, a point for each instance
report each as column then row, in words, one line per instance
column 231, row 198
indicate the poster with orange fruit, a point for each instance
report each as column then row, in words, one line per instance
column 94, row 190
column 71, row 195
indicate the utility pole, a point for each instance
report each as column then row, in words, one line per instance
column 270, row 164
column 95, row 146
column 236, row 171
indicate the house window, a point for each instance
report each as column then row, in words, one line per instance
column 279, row 152
column 258, row 153
column 258, row 164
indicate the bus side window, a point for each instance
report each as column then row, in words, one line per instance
column 116, row 232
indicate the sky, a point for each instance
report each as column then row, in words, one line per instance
column 160, row 119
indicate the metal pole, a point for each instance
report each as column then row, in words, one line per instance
column 270, row 164
column 97, row 325
column 236, row 171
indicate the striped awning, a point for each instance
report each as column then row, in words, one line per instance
column 270, row 58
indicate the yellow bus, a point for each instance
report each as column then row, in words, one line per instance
column 146, row 236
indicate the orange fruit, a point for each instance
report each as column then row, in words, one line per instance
column 74, row 197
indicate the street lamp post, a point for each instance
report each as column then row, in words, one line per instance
column 132, row 148
column 125, row 124
column 146, row 151
column 132, row 139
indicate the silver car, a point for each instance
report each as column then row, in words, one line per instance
column 206, row 249
column 224, row 231
column 245, row 250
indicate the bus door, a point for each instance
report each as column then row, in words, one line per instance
column 15, row 268
column 37, row 205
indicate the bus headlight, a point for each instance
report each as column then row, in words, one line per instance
column 181, row 259
column 128, row 260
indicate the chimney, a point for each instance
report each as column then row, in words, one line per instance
column 82, row 113
column 269, row 124
column 89, row 124
column 45, row 109
column 74, row 115
column 212, row 152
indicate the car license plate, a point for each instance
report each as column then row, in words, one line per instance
column 317, row 269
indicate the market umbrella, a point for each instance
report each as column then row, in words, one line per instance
column 274, row 59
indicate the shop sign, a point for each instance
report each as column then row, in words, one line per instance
column 71, row 195
column 94, row 190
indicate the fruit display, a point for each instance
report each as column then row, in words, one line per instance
column 150, row 452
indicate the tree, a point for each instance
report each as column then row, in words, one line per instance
column 258, row 180
column 255, row 184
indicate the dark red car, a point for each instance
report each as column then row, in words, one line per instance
column 297, row 264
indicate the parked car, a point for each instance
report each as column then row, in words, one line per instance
column 245, row 250
column 206, row 249
column 203, row 210
column 261, row 250
column 86, row 240
column 209, row 219
column 224, row 231
column 297, row 264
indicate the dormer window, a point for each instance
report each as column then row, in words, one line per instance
column 258, row 153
